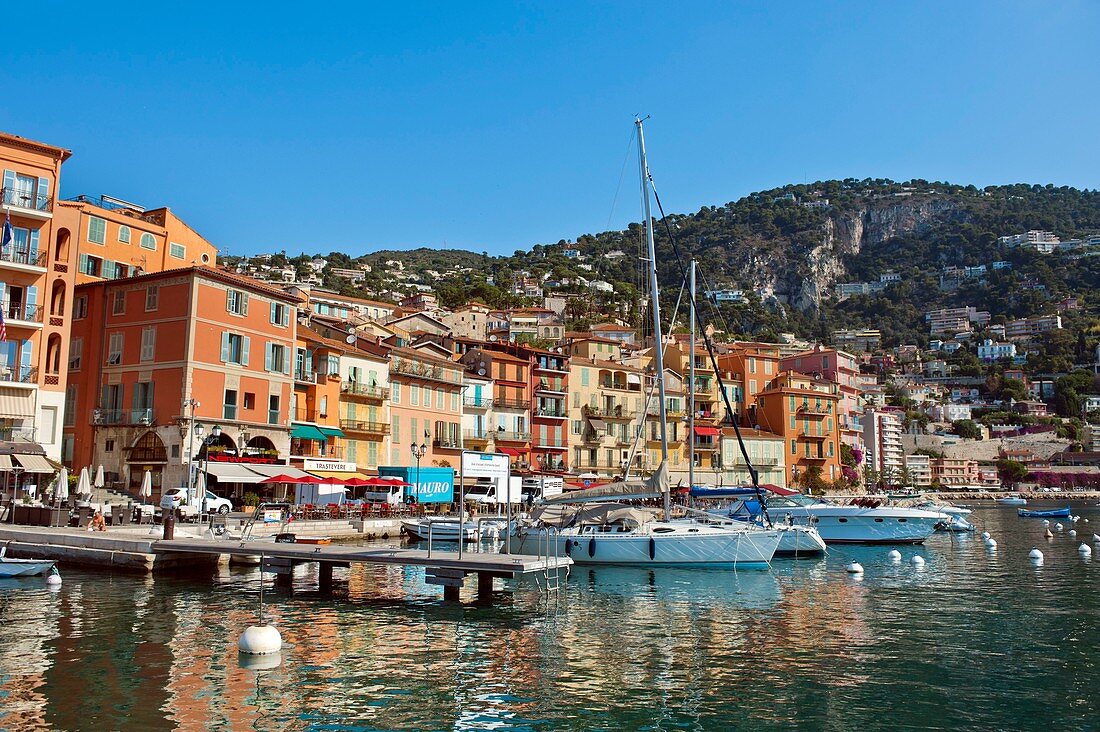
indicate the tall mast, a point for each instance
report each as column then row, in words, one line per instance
column 655, row 305
column 691, row 381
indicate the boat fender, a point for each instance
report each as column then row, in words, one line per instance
column 652, row 548
column 568, row 548
column 592, row 547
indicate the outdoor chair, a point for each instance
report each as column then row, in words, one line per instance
column 116, row 515
column 124, row 516
column 84, row 517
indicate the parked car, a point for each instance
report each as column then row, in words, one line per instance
column 214, row 504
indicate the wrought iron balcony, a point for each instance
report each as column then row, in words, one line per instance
column 23, row 255
column 507, row 436
column 512, row 404
column 27, row 200
column 364, row 391
column 364, row 427
column 19, row 374
column 123, row 417
column 477, row 402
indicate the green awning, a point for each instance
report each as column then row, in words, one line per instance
column 307, row 432
column 331, row 431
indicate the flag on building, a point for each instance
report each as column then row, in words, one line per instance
column 5, row 241
column 3, row 326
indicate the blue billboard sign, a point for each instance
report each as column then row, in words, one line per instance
column 429, row 485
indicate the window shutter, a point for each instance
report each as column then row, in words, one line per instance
column 34, row 245
column 268, row 356
column 273, row 314
column 103, row 392
column 244, row 303
column 43, row 192
column 286, row 362
column 286, row 315
column 225, row 347
column 25, row 358
column 9, row 182
column 229, row 300
column 246, row 344
column 3, row 286
column 32, row 301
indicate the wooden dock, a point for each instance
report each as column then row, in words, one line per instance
column 443, row 568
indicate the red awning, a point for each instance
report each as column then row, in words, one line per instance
column 509, row 451
column 707, row 431
column 777, row 490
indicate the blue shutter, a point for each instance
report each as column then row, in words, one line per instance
column 33, row 247
column 246, row 344
column 229, row 300
column 286, row 361
column 244, row 303
column 9, row 183
column 268, row 356
column 309, row 362
column 25, row 362
column 3, row 286
column 273, row 314
column 286, row 315
column 225, row 347
column 31, row 308
column 43, row 194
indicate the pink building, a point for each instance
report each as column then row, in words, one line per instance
column 841, row 368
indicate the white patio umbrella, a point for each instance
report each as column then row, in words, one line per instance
column 61, row 490
column 146, row 491
column 83, row 483
column 99, row 481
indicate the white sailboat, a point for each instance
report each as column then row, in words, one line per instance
column 604, row 531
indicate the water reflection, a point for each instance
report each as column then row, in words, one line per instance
column 974, row 640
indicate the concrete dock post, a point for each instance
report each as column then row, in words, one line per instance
column 324, row 576
column 450, row 593
column 484, row 586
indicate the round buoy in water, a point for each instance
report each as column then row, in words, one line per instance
column 894, row 556
column 1071, row 533
column 260, row 640
column 1096, row 538
column 854, row 568
column 1057, row 527
column 985, row 534
column 991, row 543
column 1036, row 556
column 53, row 579
column 1085, row 550
column 1046, row 522
column 265, row 662
column 917, row 560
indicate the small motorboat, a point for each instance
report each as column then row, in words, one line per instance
column 448, row 529
column 23, row 567
column 1050, row 513
column 955, row 523
column 1012, row 501
column 947, row 508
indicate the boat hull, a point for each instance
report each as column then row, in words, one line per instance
column 752, row 549
column 871, row 526
column 1052, row 513
column 440, row 530
column 24, row 567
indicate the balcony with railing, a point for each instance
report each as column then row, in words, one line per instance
column 123, row 417
column 447, row 442
column 552, row 365
column 364, row 427
column 302, row 414
column 507, row 436
column 550, row 412
column 426, row 371
column 550, row 464
column 472, row 437
column 705, row 445
column 26, row 203
column 18, row 315
column 17, row 433
column 316, row 449
column 812, row 411
column 550, row 443
column 19, row 374
column 23, row 256
column 305, row 377
column 807, row 435
column 551, row 386
column 476, row 402
column 608, row 411
column 512, row 404
column 364, row 392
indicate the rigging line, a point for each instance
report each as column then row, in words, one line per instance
column 732, row 416
column 713, row 301
column 622, row 173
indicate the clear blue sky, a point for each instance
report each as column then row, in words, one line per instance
column 495, row 126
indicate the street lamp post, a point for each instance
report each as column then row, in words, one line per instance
column 215, row 433
column 418, row 452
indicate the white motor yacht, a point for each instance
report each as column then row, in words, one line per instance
column 448, row 529
column 1012, row 500
column 864, row 521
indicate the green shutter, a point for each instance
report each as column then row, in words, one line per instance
column 273, row 314
column 267, row 356
column 244, row 303
column 246, row 345
column 225, row 347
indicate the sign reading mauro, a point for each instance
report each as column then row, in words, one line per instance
column 429, row 485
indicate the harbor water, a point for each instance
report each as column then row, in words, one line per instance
column 974, row 639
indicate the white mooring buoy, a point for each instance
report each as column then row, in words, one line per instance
column 854, row 568
column 985, row 535
column 53, row 579
column 1085, row 550
column 917, row 560
column 260, row 640
column 894, row 556
column 1096, row 538
column 1035, row 556
column 1046, row 522
column 1057, row 527
column 1072, row 533
column 991, row 543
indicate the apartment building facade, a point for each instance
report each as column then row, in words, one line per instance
column 37, row 268
column 425, row 408
column 882, row 445
column 841, row 368
column 223, row 342
column 803, row 409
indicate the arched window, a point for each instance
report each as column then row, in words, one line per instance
column 53, row 354
column 148, row 241
column 149, row 449
column 57, row 298
column 124, row 234
column 61, row 246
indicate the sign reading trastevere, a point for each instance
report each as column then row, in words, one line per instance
column 485, row 465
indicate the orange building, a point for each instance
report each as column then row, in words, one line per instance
column 511, row 400
column 36, row 284
column 315, row 412
column 117, row 239
column 154, row 355
column 425, row 408
column 754, row 365
column 802, row 409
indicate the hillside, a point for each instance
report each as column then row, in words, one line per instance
column 788, row 248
